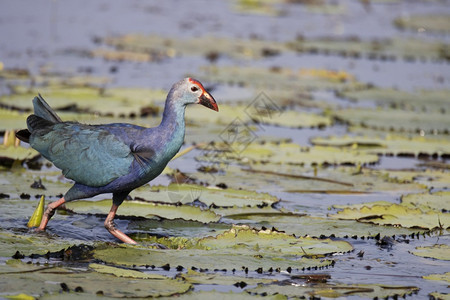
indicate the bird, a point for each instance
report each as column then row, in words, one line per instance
column 111, row 158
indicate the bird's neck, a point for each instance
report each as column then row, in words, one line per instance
column 173, row 126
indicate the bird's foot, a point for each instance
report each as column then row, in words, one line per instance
column 111, row 227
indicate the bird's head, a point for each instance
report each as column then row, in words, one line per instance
column 191, row 91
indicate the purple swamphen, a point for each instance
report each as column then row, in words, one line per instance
column 111, row 158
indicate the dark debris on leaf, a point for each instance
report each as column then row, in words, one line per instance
column 37, row 184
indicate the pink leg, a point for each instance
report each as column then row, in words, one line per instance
column 49, row 212
column 109, row 224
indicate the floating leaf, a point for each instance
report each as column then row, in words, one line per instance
column 273, row 243
column 207, row 196
column 35, row 219
column 429, row 100
column 395, row 120
column 49, row 280
column 439, row 251
column 211, row 47
column 145, row 209
column 383, row 49
column 439, row 201
column 317, row 226
column 126, row 273
column 389, row 144
column 396, row 215
column 248, row 114
column 118, row 101
column 256, row 249
column 429, row 22
column 327, row 290
column 195, row 277
column 440, row 277
column 285, row 153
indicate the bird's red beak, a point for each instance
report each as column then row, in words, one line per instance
column 207, row 100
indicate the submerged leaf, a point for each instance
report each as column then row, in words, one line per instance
column 441, row 277
column 439, row 251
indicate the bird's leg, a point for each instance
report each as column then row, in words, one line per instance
column 111, row 227
column 49, row 212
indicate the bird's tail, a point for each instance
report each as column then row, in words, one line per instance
column 43, row 116
column 43, row 110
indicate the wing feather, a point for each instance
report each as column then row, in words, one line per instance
column 86, row 154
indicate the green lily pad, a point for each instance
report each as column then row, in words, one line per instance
column 9, row 154
column 229, row 113
column 439, row 201
column 439, row 251
column 208, row 295
column 202, row 259
column 126, row 273
column 388, row 145
column 19, row 181
column 208, row 46
column 281, row 79
column 395, row 120
column 429, row 22
column 395, row 215
column 285, row 153
column 429, row 178
column 440, row 277
column 49, row 280
column 436, row 295
column 328, row 290
column 195, row 277
column 257, row 249
column 318, row 226
column 145, row 209
column 429, row 100
column 383, row 49
column 31, row 243
column 118, row 102
column 187, row 193
column 272, row 243
column 292, row 178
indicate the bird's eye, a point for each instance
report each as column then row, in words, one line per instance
column 194, row 88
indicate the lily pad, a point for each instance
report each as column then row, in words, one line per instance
column 318, row 226
column 145, row 209
column 126, row 273
column 389, row 144
column 438, row 251
column 209, row 46
column 383, row 49
column 31, row 243
column 273, row 243
column 395, row 215
column 334, row 290
column 207, row 196
column 248, row 114
column 297, row 179
column 439, row 201
column 118, row 102
column 9, row 154
column 395, row 120
column 282, row 79
column 440, row 277
column 257, row 249
column 426, row 100
column 195, row 277
column 429, row 22
column 285, row 153
column 49, row 280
